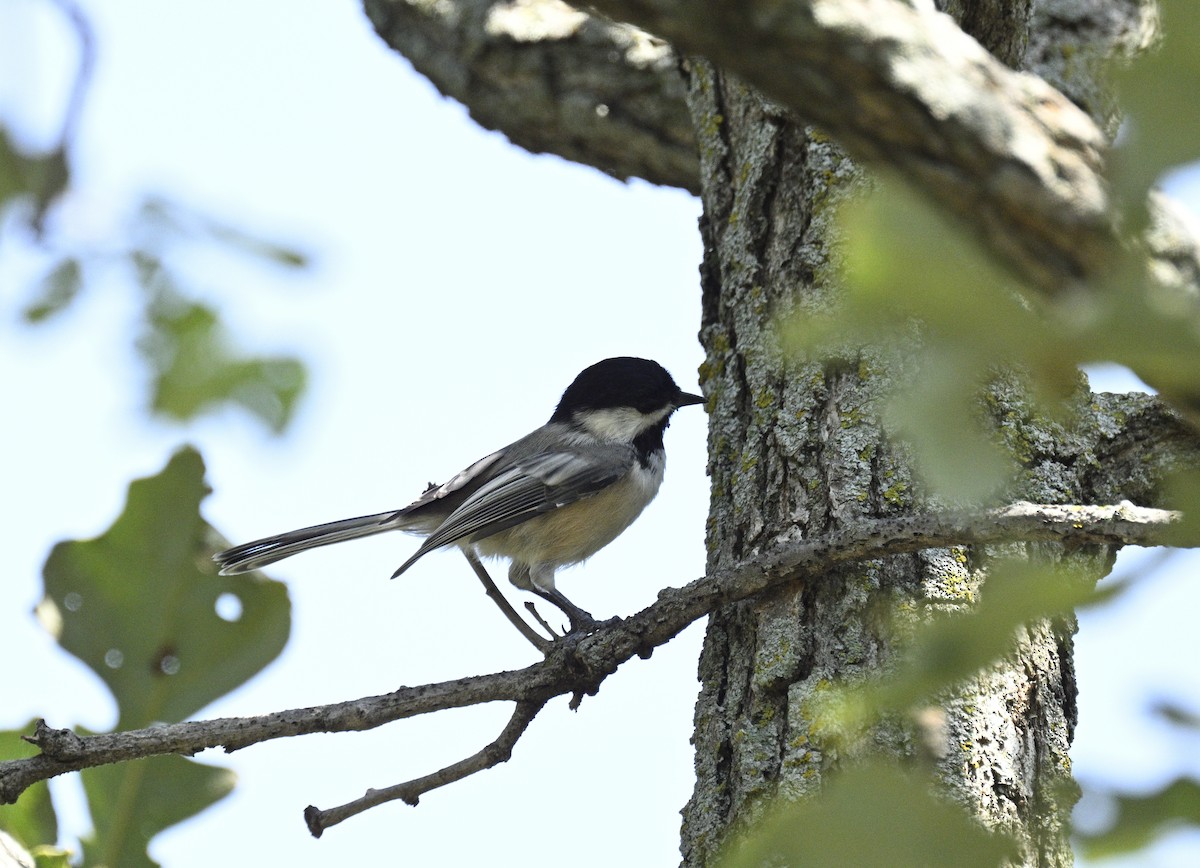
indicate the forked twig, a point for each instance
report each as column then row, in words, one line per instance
column 411, row 791
column 532, row 609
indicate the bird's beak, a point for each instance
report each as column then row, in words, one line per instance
column 683, row 399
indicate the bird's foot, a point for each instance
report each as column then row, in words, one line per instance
column 581, row 622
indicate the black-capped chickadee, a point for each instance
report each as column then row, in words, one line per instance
column 555, row 497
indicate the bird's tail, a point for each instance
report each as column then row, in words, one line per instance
column 268, row 550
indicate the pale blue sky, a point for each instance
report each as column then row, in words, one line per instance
column 450, row 266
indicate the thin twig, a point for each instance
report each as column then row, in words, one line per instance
column 532, row 609
column 56, row 162
column 538, row 642
column 410, row 792
column 83, row 74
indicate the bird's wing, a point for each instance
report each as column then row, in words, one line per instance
column 464, row 479
column 531, row 487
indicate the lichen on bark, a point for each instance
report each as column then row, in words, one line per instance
column 797, row 448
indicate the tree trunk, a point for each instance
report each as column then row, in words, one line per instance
column 796, row 448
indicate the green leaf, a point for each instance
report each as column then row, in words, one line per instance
column 951, row 321
column 132, row 802
column 1141, row 819
column 1150, row 330
column 15, row 169
column 871, row 815
column 51, row 857
column 138, row 604
column 31, row 820
column 941, row 652
column 56, row 291
column 40, row 176
column 955, row 455
column 1183, row 494
column 195, row 371
column 957, row 646
column 948, row 318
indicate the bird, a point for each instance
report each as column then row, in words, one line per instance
column 551, row 499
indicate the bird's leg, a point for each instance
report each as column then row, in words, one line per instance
column 539, row 578
column 539, row 642
column 577, row 617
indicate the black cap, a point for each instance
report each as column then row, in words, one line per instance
column 624, row 381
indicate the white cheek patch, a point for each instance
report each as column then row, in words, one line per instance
column 651, row 476
column 620, row 424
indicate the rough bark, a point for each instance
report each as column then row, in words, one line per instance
column 553, row 79
column 1071, row 41
column 796, row 448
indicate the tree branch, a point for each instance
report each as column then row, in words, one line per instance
column 553, row 79
column 1132, row 442
column 579, row 664
column 410, row 792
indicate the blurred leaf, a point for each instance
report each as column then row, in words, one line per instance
column 951, row 647
column 57, row 290
column 1155, row 332
column 1158, row 94
column 138, row 604
column 190, row 224
column 1183, row 493
column 951, row 321
column 871, row 815
column 194, row 368
column 922, row 287
column 195, row 371
column 956, row 457
column 905, row 259
column 51, row 857
column 957, row 646
column 41, row 177
column 1177, row 715
column 14, row 169
column 1152, row 330
column 31, row 820
column 1141, row 819
column 132, row 802
column 49, row 178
